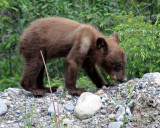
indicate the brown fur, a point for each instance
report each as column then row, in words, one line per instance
column 81, row 44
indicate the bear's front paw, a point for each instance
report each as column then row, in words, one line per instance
column 111, row 84
column 78, row 91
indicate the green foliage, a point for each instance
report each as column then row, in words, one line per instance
column 138, row 36
column 56, row 82
column 61, row 120
column 28, row 118
column 140, row 40
column 130, row 90
column 84, row 82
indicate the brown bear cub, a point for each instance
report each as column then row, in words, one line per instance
column 81, row 44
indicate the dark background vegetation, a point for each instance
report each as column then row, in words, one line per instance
column 136, row 21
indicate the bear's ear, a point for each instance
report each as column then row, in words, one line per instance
column 116, row 37
column 102, row 44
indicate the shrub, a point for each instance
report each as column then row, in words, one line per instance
column 141, row 41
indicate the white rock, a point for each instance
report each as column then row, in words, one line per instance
column 67, row 123
column 152, row 76
column 3, row 107
column 111, row 116
column 51, row 108
column 69, row 96
column 88, row 105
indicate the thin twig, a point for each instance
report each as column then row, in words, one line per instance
column 49, row 86
column 141, row 110
column 58, row 114
column 137, row 113
column 126, row 4
column 133, row 31
column 146, row 6
column 136, row 8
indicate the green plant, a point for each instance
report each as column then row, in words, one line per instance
column 60, row 121
column 130, row 91
column 140, row 39
column 84, row 82
column 28, row 118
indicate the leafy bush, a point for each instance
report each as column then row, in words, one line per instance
column 141, row 41
column 138, row 36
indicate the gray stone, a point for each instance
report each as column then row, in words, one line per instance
column 51, row 108
column 3, row 107
column 148, row 76
column 131, row 104
column 152, row 76
column 68, row 96
column 120, row 113
column 15, row 125
column 115, row 124
column 140, row 85
column 124, row 93
column 103, row 111
column 18, row 111
column 88, row 105
column 69, row 107
column 14, row 90
column 120, row 118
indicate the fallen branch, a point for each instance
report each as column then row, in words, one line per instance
column 49, row 86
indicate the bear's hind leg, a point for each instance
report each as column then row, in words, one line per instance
column 30, row 75
column 40, row 82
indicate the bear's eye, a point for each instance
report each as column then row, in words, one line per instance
column 118, row 67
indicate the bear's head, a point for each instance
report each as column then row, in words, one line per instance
column 111, row 57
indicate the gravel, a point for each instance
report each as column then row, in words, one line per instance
column 21, row 108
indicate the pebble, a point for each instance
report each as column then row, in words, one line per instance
column 69, row 97
column 115, row 124
column 69, row 107
column 131, row 104
column 103, row 111
column 51, row 108
column 18, row 111
column 3, row 107
column 100, row 92
column 140, row 85
column 67, row 123
column 111, row 116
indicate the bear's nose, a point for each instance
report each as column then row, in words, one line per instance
column 123, row 80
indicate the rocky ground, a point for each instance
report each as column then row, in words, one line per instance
column 19, row 108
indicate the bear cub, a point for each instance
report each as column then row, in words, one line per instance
column 82, row 45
